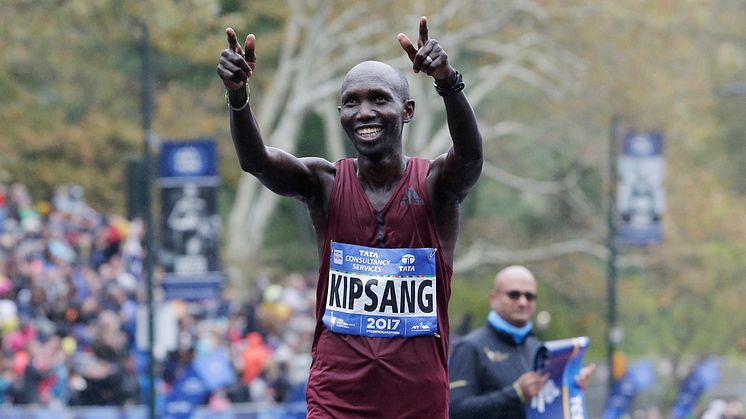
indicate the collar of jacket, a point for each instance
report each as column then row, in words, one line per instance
column 517, row 334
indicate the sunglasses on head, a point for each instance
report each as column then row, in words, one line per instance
column 516, row 295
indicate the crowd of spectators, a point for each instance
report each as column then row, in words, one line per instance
column 71, row 288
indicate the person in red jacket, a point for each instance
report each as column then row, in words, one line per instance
column 254, row 357
column 386, row 228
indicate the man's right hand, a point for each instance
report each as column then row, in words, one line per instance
column 237, row 64
column 531, row 384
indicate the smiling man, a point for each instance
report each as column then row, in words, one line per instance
column 386, row 227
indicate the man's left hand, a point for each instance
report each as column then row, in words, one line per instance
column 428, row 57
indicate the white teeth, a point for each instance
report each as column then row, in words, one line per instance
column 368, row 132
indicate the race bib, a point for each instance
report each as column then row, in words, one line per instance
column 382, row 293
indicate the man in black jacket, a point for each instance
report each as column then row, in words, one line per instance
column 490, row 369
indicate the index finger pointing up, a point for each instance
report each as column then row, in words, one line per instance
column 232, row 41
column 423, row 32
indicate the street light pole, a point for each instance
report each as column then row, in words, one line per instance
column 611, row 244
column 147, row 112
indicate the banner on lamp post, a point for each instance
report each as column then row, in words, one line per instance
column 640, row 189
column 190, row 224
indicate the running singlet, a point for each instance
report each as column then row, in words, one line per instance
column 393, row 362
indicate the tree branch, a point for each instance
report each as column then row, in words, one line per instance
column 333, row 138
column 522, row 183
column 481, row 253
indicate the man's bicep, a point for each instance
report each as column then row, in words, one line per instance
column 289, row 175
column 454, row 177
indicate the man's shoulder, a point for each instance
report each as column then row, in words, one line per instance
column 320, row 167
column 533, row 341
column 319, row 163
column 477, row 336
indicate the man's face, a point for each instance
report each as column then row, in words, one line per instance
column 372, row 111
column 513, row 297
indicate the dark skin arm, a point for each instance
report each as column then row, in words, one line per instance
column 278, row 170
column 453, row 174
column 308, row 179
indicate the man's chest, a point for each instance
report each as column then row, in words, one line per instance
column 503, row 365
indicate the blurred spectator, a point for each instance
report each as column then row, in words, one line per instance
column 254, row 357
column 177, row 362
column 70, row 288
column 7, row 378
column 721, row 409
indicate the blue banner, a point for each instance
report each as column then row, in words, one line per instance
column 188, row 159
column 639, row 376
column 190, row 224
column 706, row 375
column 640, row 190
column 382, row 293
column 561, row 397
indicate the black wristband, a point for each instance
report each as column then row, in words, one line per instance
column 457, row 86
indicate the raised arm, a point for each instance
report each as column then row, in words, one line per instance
column 453, row 174
column 459, row 169
column 278, row 170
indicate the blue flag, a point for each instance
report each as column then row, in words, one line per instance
column 706, row 375
column 639, row 376
column 561, row 397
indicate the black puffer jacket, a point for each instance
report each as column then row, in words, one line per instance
column 482, row 369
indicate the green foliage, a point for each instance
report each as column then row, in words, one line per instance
column 729, row 114
column 291, row 240
column 70, row 86
column 469, row 297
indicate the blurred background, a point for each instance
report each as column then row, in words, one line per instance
column 92, row 91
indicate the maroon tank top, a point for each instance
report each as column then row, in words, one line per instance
column 362, row 377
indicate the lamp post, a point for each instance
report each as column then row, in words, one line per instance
column 611, row 244
column 147, row 112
